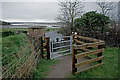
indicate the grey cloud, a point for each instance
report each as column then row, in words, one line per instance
column 29, row 10
column 33, row 11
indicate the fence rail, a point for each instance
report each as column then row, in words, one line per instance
column 21, row 63
column 81, row 49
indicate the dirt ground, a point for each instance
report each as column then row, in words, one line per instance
column 64, row 67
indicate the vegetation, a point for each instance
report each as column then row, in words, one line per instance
column 108, row 70
column 69, row 11
column 43, row 68
column 4, row 23
column 51, row 29
column 4, row 32
column 14, row 29
column 7, row 33
column 12, row 45
column 92, row 21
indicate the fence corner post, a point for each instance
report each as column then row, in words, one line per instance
column 48, row 47
column 100, row 54
column 74, row 60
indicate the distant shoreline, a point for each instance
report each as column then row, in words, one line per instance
column 28, row 26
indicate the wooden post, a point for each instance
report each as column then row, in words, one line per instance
column 41, row 45
column 100, row 54
column 44, row 36
column 74, row 60
column 73, row 37
column 48, row 47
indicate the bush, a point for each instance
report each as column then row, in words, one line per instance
column 7, row 33
column 92, row 21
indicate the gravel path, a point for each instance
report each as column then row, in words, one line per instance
column 63, row 68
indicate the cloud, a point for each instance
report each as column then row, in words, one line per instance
column 29, row 10
column 35, row 11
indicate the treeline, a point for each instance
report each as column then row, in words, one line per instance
column 4, row 23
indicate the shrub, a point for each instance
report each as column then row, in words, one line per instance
column 7, row 33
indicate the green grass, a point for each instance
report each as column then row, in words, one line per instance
column 51, row 29
column 43, row 68
column 108, row 70
column 13, row 48
column 14, row 29
column 14, row 42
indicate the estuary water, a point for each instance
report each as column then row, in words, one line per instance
column 30, row 25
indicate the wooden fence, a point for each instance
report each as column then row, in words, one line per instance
column 84, row 47
column 22, row 65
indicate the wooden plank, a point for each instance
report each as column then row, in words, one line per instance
column 88, row 61
column 79, row 46
column 44, row 50
column 89, row 53
column 87, row 38
column 80, row 42
column 89, row 68
column 45, row 55
column 93, row 45
column 83, row 50
column 44, row 44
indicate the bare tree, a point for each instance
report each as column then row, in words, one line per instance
column 106, row 6
column 69, row 11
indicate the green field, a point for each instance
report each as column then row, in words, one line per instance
column 14, row 29
column 108, row 70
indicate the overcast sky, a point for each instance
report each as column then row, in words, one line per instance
column 35, row 11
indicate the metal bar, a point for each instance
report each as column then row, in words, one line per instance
column 56, row 56
column 14, row 64
column 61, row 42
column 66, row 36
column 6, row 66
column 61, row 51
column 50, row 47
column 61, row 55
column 66, row 54
column 61, row 47
column 71, row 44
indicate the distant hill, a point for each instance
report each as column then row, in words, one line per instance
column 4, row 23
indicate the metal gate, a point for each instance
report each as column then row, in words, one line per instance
column 60, row 46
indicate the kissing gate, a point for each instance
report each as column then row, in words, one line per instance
column 60, row 46
column 80, row 47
